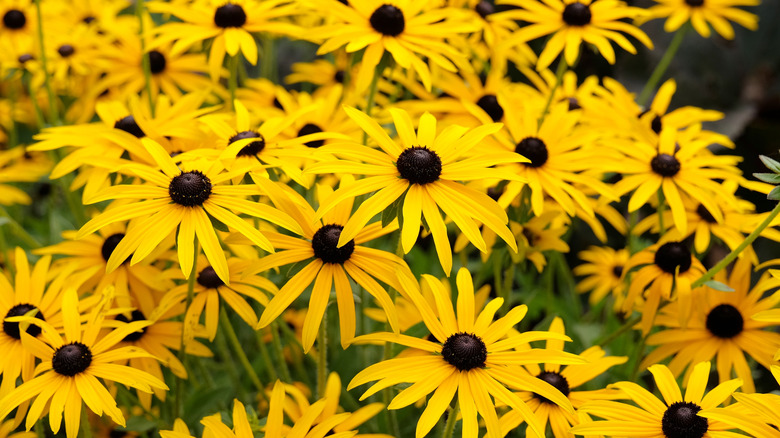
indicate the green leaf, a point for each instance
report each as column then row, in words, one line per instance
column 771, row 178
column 774, row 195
column 140, row 424
column 391, row 212
column 773, row 165
column 719, row 286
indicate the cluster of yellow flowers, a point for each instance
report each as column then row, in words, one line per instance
column 197, row 191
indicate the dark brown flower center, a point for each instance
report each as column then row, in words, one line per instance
column 136, row 315
column 129, row 125
column 725, row 321
column 24, row 58
column 339, row 76
column 252, row 148
column 388, row 20
column 190, row 189
column 109, row 245
column 71, row 359
column 464, row 351
column 12, row 328
column 489, row 103
column 680, row 421
column 534, row 149
column 485, row 8
column 208, row 278
column 705, row 214
column 419, row 165
column 156, row 62
column 617, row 271
column 66, row 50
column 672, row 255
column 230, row 15
column 577, row 14
column 657, row 124
column 311, row 128
column 694, row 3
column 557, row 381
column 325, row 241
column 665, row 165
column 14, row 19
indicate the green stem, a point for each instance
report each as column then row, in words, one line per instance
column 54, row 115
column 233, row 79
column 145, row 63
column 631, row 242
column 18, row 230
column 562, row 67
column 629, row 324
column 267, row 69
column 37, row 109
column 662, row 66
column 238, row 350
column 178, row 402
column 86, row 428
column 277, row 344
column 638, row 354
column 733, row 254
column 452, row 418
column 380, row 69
column 661, row 208
column 269, row 364
column 322, row 356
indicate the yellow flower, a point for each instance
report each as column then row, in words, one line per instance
column 674, row 417
column 470, row 356
column 70, row 368
column 328, row 266
column 409, row 30
column 230, row 24
column 722, row 326
column 573, row 22
column 182, row 199
column 702, row 14
column 603, row 272
column 667, row 267
column 564, row 380
column 421, row 175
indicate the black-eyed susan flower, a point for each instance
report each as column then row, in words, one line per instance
column 603, row 271
column 71, row 366
column 421, row 173
column 183, row 199
column 325, row 416
column 573, row 22
column 330, row 266
column 210, row 289
column 229, row 26
column 26, row 292
column 171, row 72
column 702, row 14
column 722, row 327
column 17, row 165
column 159, row 338
column 19, row 22
column 679, row 163
column 86, row 261
column 564, row 380
column 409, row 31
column 470, row 356
column 561, row 159
column 666, row 271
column 252, row 147
column 674, row 417
column 739, row 220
